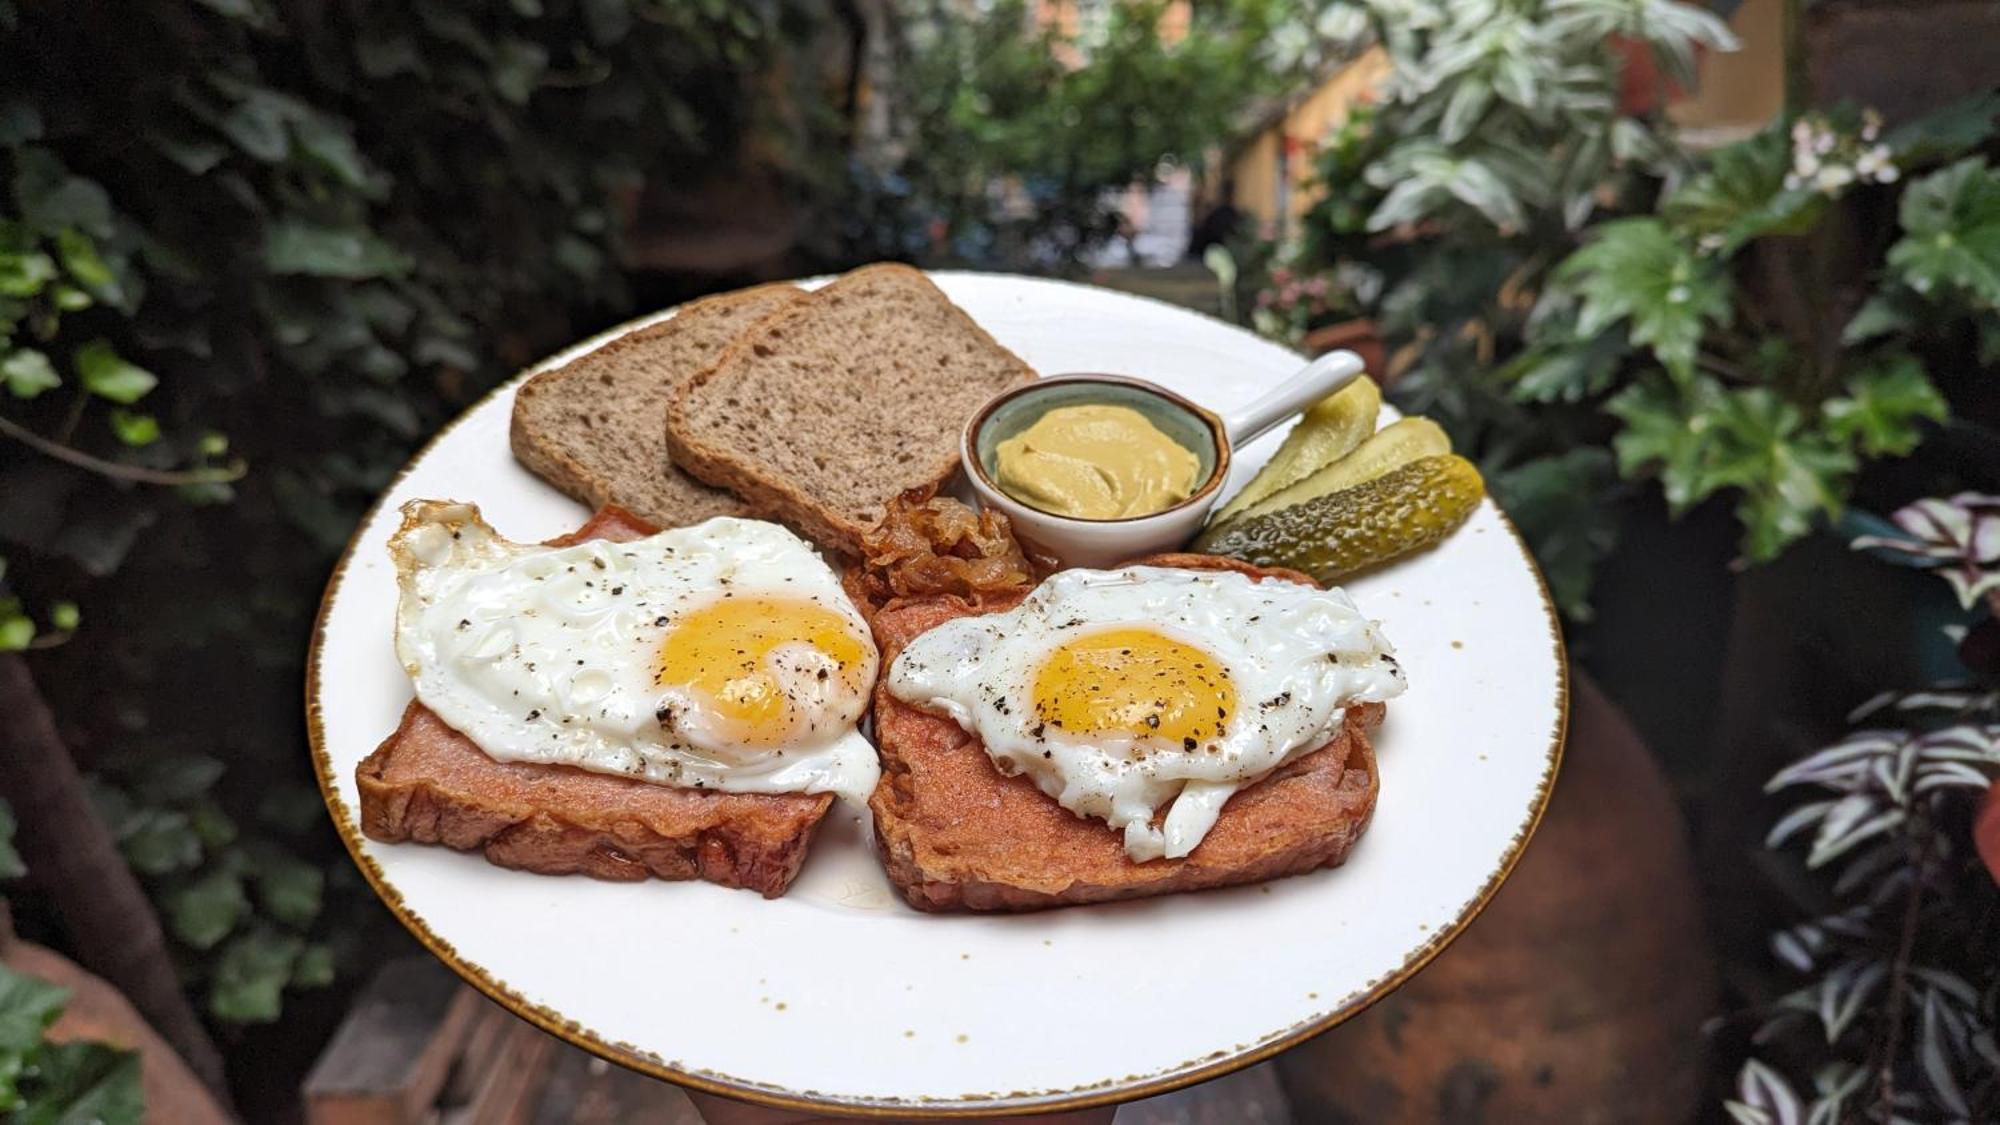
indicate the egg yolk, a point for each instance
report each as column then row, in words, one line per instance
column 722, row 652
column 1135, row 681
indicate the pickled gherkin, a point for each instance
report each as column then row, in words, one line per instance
column 1328, row 431
column 1355, row 528
column 1396, row 445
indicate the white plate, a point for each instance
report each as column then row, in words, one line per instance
column 838, row 995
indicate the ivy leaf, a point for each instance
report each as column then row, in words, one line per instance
column 330, row 141
column 160, row 841
column 107, row 375
column 177, row 778
column 289, row 888
column 517, row 69
column 1879, row 414
column 51, row 199
column 206, row 910
column 250, row 977
column 84, row 1084
column 135, row 429
column 299, row 246
column 1787, row 474
column 257, row 125
column 23, row 273
column 28, row 1005
column 1567, row 372
column 1637, row 270
column 11, row 866
column 65, row 616
column 314, row 968
column 1951, row 233
column 20, row 122
column 28, row 373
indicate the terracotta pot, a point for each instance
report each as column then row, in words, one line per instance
column 1361, row 337
column 100, row 1013
column 1578, row 996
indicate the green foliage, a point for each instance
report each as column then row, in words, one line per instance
column 58, row 1083
column 1780, row 409
column 247, row 260
column 1951, row 235
column 1010, row 150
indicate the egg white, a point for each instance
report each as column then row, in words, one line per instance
column 1296, row 656
column 549, row 655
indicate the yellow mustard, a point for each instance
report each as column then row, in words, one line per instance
column 1096, row 462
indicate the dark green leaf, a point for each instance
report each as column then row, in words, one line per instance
column 51, row 199
column 384, row 56
column 1946, row 133
column 1883, row 405
column 86, row 265
column 28, row 1005
column 1570, row 371
column 1951, row 233
column 161, row 841
column 607, row 20
column 1788, row 475
column 242, row 10
column 176, row 778
column 205, row 911
column 11, row 866
column 1879, row 315
column 1560, row 505
column 194, row 155
column 28, row 373
column 84, row 1084
column 1742, row 196
column 69, row 298
column 289, row 888
column 299, row 246
column 135, row 429
column 517, row 68
column 24, row 273
column 250, row 977
column 211, row 824
column 314, row 968
column 257, row 125
column 20, row 122
column 1658, row 434
column 107, row 375
column 330, row 141
column 1637, row 270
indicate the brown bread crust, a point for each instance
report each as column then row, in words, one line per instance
column 956, row 834
column 728, row 460
column 561, row 418
column 428, row 784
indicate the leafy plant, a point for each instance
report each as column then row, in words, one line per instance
column 1896, row 1018
column 1726, row 385
column 1497, row 138
column 1009, row 149
column 44, row 1081
column 320, row 234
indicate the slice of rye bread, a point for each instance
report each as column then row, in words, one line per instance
column 827, row 408
column 592, row 426
column 957, row 834
column 429, row 784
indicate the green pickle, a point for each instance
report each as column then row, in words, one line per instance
column 1340, row 533
column 1330, row 429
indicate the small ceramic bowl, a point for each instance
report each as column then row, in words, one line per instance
column 1100, row 543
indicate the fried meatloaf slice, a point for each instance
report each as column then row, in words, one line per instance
column 428, row 784
column 957, row 834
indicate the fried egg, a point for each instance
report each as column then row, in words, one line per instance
column 1122, row 692
column 720, row 656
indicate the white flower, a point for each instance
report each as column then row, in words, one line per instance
column 1807, row 165
column 1833, row 177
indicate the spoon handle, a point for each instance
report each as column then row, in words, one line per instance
column 1315, row 381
